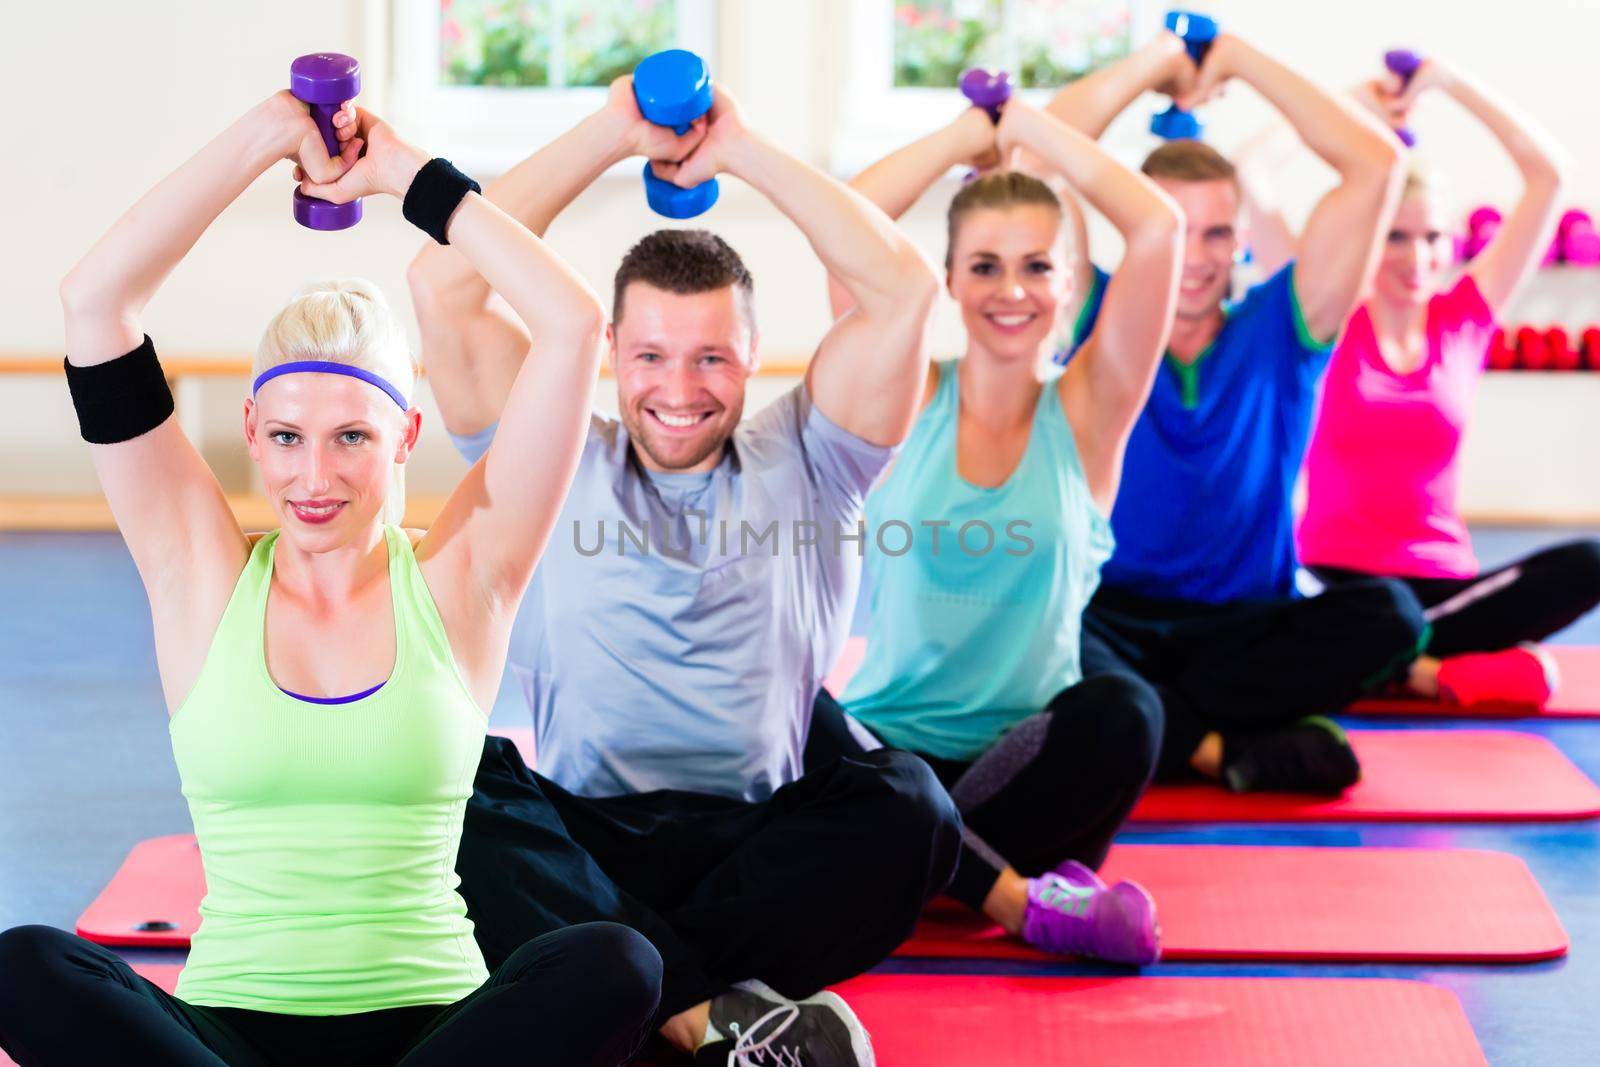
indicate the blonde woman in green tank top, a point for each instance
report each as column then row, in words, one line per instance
column 972, row 656
column 328, row 822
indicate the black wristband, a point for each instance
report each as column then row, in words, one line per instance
column 435, row 193
column 121, row 399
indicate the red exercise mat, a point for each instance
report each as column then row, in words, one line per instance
column 1251, row 902
column 1577, row 695
column 164, row 975
column 1410, row 776
column 1134, row 1022
column 987, row 1020
column 153, row 901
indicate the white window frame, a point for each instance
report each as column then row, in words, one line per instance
column 486, row 130
column 876, row 115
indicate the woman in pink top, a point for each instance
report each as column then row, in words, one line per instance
column 1382, row 468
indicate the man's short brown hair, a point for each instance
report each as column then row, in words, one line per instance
column 683, row 262
column 1189, row 161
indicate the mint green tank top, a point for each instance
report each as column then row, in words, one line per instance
column 329, row 832
column 975, row 623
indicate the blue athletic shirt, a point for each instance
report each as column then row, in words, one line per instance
column 678, row 626
column 1204, row 511
column 1088, row 313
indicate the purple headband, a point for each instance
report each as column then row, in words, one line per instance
column 322, row 366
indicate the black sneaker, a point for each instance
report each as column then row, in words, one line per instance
column 763, row 1029
column 1312, row 756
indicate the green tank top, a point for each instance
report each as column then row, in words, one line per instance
column 975, row 623
column 329, row 832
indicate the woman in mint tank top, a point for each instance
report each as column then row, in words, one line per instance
column 328, row 681
column 987, row 535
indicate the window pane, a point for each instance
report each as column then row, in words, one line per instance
column 935, row 40
column 1058, row 41
column 484, row 42
column 607, row 38
column 551, row 43
column 1044, row 43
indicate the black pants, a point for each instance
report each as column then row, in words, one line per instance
column 1527, row 600
column 1234, row 668
column 814, row 885
column 573, row 997
column 1057, row 786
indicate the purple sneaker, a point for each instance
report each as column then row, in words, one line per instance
column 1117, row 925
column 1079, row 875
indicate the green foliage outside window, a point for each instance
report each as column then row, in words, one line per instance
column 1044, row 43
column 553, row 43
column 935, row 40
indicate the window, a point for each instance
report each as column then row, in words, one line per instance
column 554, row 44
column 1044, row 43
column 905, row 57
column 488, row 81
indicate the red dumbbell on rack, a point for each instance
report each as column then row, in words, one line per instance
column 1532, row 351
column 1563, row 355
column 1502, row 353
column 1591, row 348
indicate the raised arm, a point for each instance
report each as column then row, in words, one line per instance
column 867, row 374
column 899, row 179
column 496, row 523
column 1344, row 235
column 1273, row 242
column 1091, row 103
column 1518, row 245
column 472, row 342
column 1105, row 385
column 165, row 500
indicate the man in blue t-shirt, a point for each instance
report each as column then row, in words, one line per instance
column 696, row 588
column 1199, row 597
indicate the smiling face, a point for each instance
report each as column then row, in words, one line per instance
column 327, row 446
column 1008, row 272
column 682, row 361
column 1417, row 252
column 1211, row 215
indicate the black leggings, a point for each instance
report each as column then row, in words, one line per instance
column 1527, row 600
column 1250, row 666
column 578, row 996
column 811, row 886
column 1057, row 786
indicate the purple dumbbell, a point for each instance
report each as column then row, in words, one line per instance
column 1403, row 63
column 325, row 80
column 987, row 89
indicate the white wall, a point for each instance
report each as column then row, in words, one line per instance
column 145, row 84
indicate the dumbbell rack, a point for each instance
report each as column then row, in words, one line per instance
column 1553, row 325
column 1530, row 454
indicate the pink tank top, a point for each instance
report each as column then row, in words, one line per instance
column 1382, row 469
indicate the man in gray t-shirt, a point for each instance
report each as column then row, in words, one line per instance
column 679, row 624
column 695, row 590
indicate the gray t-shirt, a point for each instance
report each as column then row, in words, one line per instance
column 679, row 625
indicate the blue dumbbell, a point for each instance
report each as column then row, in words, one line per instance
column 1197, row 31
column 673, row 89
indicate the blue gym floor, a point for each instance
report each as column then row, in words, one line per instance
column 86, row 771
